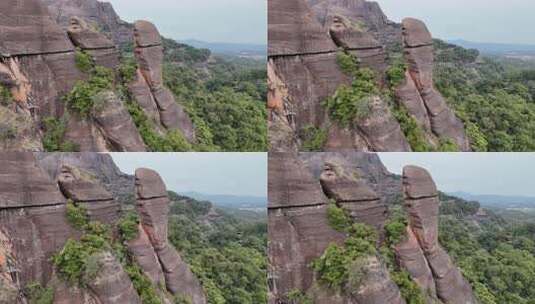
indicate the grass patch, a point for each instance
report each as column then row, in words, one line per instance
column 37, row 294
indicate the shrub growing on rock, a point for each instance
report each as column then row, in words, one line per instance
column 128, row 226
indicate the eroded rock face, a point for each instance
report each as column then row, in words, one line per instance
column 149, row 55
column 145, row 256
column 422, row 204
column 96, row 44
column 8, row 271
column 114, row 121
column 361, row 14
column 112, row 284
column 352, row 194
column 418, row 49
column 86, row 191
column 95, row 13
column 297, row 225
column 152, row 204
column 32, row 216
column 303, row 54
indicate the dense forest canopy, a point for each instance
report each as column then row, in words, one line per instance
column 226, row 249
column 494, row 96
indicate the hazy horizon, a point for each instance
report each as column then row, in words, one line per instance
column 508, row 22
column 229, row 21
column 509, row 174
column 242, row 174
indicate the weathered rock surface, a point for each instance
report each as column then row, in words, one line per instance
column 34, row 227
column 95, row 13
column 365, row 15
column 112, row 284
column 97, row 45
column 32, row 216
column 352, row 194
column 299, row 231
column 297, row 225
column 114, row 121
column 152, row 204
column 422, row 205
column 302, row 55
column 85, row 190
column 418, row 49
column 149, row 55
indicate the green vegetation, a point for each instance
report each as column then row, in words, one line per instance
column 37, row 294
column 343, row 265
column 83, row 97
column 144, row 287
column 128, row 69
column 447, row 145
column 226, row 101
column 350, row 103
column 53, row 139
column 413, row 132
column 395, row 228
column 337, row 217
column 395, row 75
column 77, row 216
column 296, row 296
column 227, row 255
column 493, row 96
column 5, row 95
column 313, row 138
column 172, row 141
column 128, row 226
column 83, row 61
column 77, row 262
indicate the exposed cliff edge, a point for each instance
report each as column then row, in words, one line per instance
column 310, row 44
column 42, row 221
column 63, row 88
column 331, row 236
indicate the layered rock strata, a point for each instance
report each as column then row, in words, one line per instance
column 297, row 225
column 93, row 12
column 97, row 45
column 34, row 227
column 299, row 233
column 85, row 191
column 303, row 56
column 426, row 261
column 152, row 204
column 352, row 194
column 418, row 93
column 148, row 88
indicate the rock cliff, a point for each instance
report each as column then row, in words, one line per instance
column 305, row 37
column 300, row 231
column 35, row 226
column 42, row 49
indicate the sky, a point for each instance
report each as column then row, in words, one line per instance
column 475, row 173
column 508, row 21
column 234, row 21
column 207, row 173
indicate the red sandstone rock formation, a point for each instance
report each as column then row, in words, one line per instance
column 418, row 93
column 34, row 227
column 421, row 203
column 148, row 87
column 152, row 204
column 303, row 57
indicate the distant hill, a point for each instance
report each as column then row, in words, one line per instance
column 500, row 201
column 230, row 201
column 503, row 49
column 233, row 49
